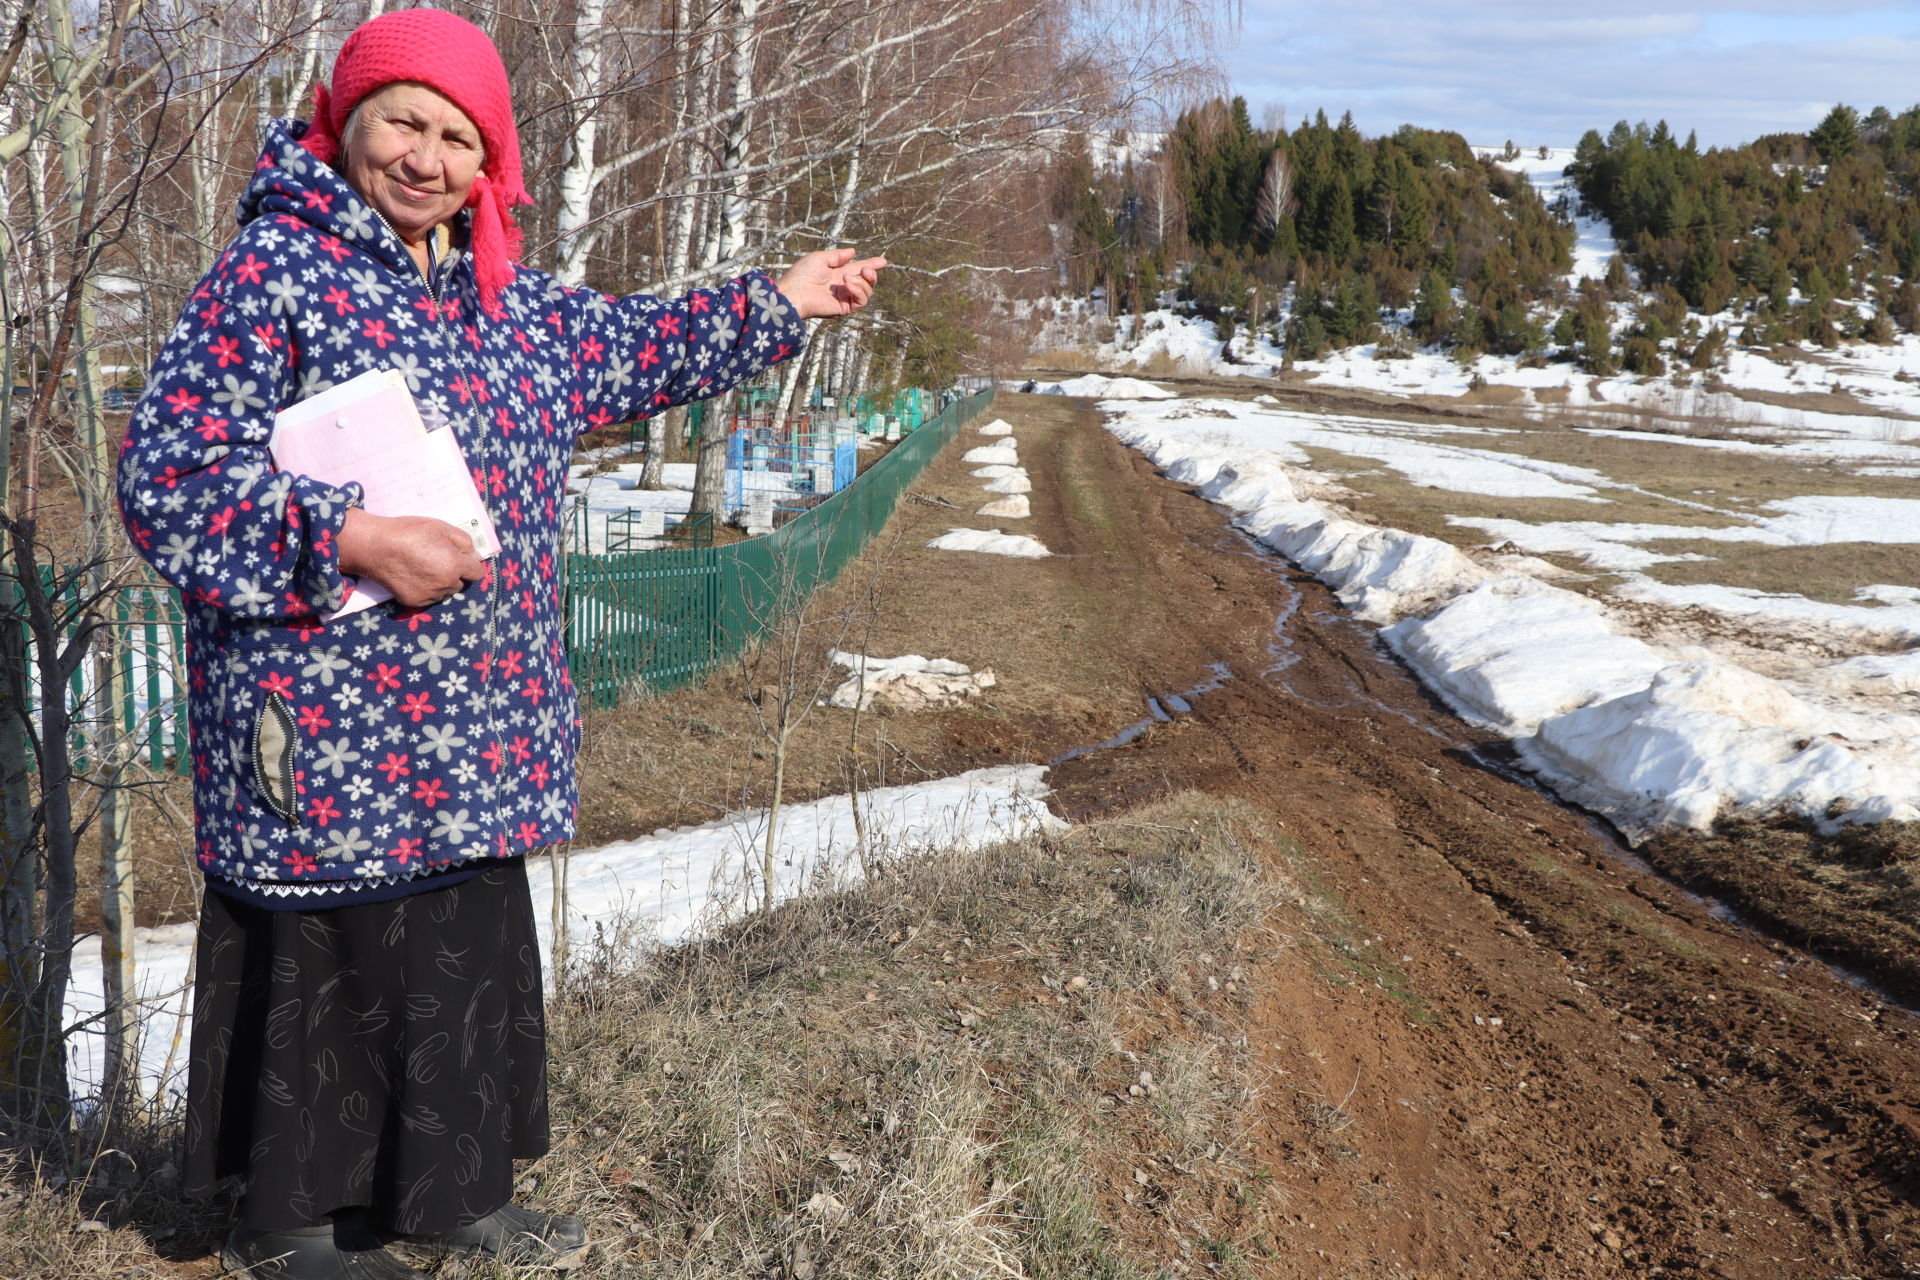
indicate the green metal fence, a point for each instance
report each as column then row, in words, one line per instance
column 146, row 634
column 152, row 655
column 661, row 619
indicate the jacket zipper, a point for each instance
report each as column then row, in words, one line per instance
column 493, row 590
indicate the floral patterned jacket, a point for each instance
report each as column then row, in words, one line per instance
column 347, row 761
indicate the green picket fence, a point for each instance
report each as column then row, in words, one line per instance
column 146, row 634
column 649, row 620
column 658, row 620
column 152, row 656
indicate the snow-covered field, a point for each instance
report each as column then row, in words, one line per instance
column 595, row 498
column 664, row 889
column 598, row 498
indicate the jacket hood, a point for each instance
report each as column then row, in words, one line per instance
column 289, row 182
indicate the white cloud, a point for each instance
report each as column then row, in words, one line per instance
column 1546, row 72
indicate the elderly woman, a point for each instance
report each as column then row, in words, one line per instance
column 368, row 1050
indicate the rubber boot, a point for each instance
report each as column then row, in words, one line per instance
column 343, row 1250
column 514, row 1235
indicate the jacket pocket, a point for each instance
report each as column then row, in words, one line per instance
column 273, row 756
column 287, row 735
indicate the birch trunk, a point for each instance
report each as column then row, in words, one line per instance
column 710, row 466
column 676, row 251
column 80, row 156
column 660, row 428
column 794, row 378
column 734, row 207
column 573, row 223
column 309, row 60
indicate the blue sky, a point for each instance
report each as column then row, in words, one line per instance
column 1544, row 71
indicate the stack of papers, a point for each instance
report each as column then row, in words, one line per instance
column 368, row 431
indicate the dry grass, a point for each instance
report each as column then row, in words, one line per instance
column 923, row 1077
column 1831, row 572
column 1677, row 484
column 1733, row 479
column 115, row 1214
column 937, row 1075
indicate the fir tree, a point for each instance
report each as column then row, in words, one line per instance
column 1309, row 337
column 1837, row 135
column 1338, row 236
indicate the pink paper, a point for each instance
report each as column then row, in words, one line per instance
column 368, row 431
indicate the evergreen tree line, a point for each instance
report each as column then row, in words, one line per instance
column 1232, row 214
column 1830, row 213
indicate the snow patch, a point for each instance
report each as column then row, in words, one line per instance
column 1015, row 481
column 908, row 683
column 997, row 454
column 660, row 890
column 1012, row 507
column 992, row 542
column 1100, row 386
column 1512, row 653
column 1705, row 738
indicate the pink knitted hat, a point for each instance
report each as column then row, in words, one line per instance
column 454, row 57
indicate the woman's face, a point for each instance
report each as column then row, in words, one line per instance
column 413, row 155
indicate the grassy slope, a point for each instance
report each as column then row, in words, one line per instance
column 1021, row 1061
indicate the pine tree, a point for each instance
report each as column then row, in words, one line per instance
column 1415, row 229
column 1701, row 276
column 1309, row 337
column 1355, row 311
column 1383, row 205
column 1596, row 347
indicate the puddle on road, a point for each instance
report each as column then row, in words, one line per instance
column 1161, row 709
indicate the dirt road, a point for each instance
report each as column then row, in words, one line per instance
column 1554, row 1063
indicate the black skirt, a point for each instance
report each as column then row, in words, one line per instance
column 388, row 1056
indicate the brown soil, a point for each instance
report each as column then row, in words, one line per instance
column 1554, row 1062
column 1852, row 895
column 1522, row 1054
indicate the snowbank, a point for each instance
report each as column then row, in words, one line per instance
column 1015, row 481
column 1513, row 653
column 1100, row 386
column 1000, row 454
column 1645, row 732
column 1381, row 574
column 1703, row 738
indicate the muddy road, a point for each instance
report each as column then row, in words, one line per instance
column 1554, row 1062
